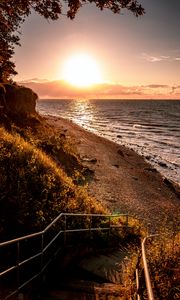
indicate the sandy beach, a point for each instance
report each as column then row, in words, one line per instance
column 123, row 180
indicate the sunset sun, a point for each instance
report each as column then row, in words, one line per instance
column 82, row 71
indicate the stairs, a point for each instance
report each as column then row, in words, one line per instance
column 88, row 291
column 35, row 254
column 96, row 277
column 108, row 266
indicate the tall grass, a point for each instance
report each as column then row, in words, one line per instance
column 163, row 260
column 34, row 188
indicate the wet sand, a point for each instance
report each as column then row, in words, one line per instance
column 123, row 181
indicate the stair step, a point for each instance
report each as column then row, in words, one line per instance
column 85, row 290
column 108, row 267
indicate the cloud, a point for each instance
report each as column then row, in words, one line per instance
column 164, row 57
column 34, row 80
column 62, row 90
column 157, row 86
column 175, row 90
column 152, row 58
column 158, row 58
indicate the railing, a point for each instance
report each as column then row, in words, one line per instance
column 146, row 270
column 47, row 244
column 147, row 275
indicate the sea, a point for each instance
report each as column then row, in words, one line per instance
column 150, row 127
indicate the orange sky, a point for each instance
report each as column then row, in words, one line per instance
column 138, row 58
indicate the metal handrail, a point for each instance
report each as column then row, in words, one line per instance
column 145, row 264
column 146, row 270
column 19, row 239
column 147, row 276
column 45, row 247
column 25, row 237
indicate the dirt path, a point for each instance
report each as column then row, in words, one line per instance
column 123, row 181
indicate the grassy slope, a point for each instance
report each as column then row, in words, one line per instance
column 34, row 185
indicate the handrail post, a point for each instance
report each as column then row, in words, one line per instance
column 146, row 272
column 65, row 221
column 127, row 220
column 18, row 260
column 137, row 283
column 109, row 231
column 42, row 250
column 90, row 225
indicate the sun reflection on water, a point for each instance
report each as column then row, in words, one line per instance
column 83, row 112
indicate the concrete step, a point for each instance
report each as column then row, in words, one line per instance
column 85, row 290
column 95, row 277
column 107, row 266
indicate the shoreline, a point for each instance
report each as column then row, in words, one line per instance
column 127, row 125
column 122, row 180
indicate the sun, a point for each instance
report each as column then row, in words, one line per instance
column 82, row 71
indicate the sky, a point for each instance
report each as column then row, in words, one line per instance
column 136, row 57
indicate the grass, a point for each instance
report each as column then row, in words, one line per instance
column 35, row 186
column 163, row 261
column 162, row 254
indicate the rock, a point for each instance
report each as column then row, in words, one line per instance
column 134, row 177
column 162, row 164
column 88, row 174
column 89, row 160
column 119, row 136
column 117, row 166
column 150, row 169
column 172, row 186
column 120, row 152
column 62, row 135
column 19, row 100
column 47, row 147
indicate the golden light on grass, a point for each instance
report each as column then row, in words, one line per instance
column 81, row 70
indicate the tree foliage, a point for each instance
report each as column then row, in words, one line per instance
column 14, row 12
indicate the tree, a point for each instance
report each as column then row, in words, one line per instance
column 14, row 12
